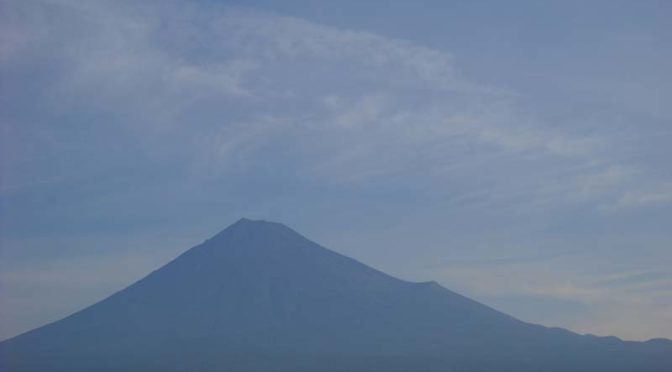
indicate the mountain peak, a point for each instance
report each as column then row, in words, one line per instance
column 248, row 223
column 245, row 220
column 249, row 230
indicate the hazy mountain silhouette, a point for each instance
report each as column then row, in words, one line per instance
column 260, row 297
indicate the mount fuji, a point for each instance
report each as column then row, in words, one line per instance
column 258, row 296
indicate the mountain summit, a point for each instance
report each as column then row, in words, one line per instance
column 260, row 297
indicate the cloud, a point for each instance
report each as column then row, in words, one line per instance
column 659, row 194
column 589, row 301
column 123, row 63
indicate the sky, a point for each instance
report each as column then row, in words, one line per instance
column 516, row 152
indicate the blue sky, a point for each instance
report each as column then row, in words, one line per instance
column 517, row 152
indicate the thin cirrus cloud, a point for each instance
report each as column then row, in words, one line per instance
column 127, row 116
column 264, row 79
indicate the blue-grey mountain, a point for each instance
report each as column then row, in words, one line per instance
column 260, row 297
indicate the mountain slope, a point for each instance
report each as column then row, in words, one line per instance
column 260, row 297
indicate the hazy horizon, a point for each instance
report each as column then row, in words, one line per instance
column 517, row 153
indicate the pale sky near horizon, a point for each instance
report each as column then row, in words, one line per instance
column 516, row 152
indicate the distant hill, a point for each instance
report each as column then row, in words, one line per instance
column 260, row 297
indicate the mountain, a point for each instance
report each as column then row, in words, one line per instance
column 260, row 297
